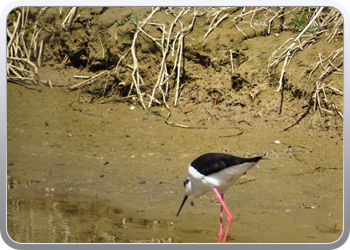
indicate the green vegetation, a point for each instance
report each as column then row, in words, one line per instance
column 81, row 15
column 132, row 16
column 246, row 46
column 299, row 23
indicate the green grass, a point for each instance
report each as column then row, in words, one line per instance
column 299, row 23
column 247, row 45
column 81, row 15
column 132, row 16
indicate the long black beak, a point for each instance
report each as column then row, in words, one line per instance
column 183, row 202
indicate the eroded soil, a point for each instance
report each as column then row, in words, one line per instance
column 83, row 171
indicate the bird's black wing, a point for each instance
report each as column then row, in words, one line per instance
column 214, row 162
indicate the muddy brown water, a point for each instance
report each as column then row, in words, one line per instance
column 84, row 172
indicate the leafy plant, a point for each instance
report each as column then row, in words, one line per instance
column 80, row 15
column 134, row 16
column 299, row 23
column 326, row 11
column 124, row 33
column 123, row 20
column 120, row 21
column 246, row 46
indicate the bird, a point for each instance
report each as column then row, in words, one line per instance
column 216, row 172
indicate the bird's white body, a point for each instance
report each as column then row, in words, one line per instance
column 200, row 184
column 216, row 172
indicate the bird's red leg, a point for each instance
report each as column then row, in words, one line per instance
column 226, row 211
column 221, row 217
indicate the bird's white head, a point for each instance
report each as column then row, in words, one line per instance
column 188, row 186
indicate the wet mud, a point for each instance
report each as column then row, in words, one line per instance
column 105, row 173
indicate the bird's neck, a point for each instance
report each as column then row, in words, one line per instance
column 189, row 188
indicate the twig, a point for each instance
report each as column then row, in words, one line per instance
column 83, row 77
column 118, row 99
column 24, row 60
column 64, row 61
column 163, row 76
column 16, row 25
column 135, row 74
column 103, row 51
column 40, row 52
column 19, row 66
column 335, row 108
column 90, row 79
column 233, row 71
column 251, row 20
column 179, row 68
column 270, row 21
column 69, row 17
column 121, row 58
column 214, row 25
column 173, row 124
column 289, row 49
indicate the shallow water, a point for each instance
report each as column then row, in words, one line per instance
column 50, row 220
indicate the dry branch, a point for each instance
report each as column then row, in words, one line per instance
column 19, row 64
column 25, row 50
column 69, row 17
column 320, row 87
column 214, row 24
column 90, row 79
column 328, row 64
column 135, row 74
column 287, row 53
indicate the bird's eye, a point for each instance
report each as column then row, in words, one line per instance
column 186, row 181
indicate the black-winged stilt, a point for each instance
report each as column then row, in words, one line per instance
column 217, row 172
